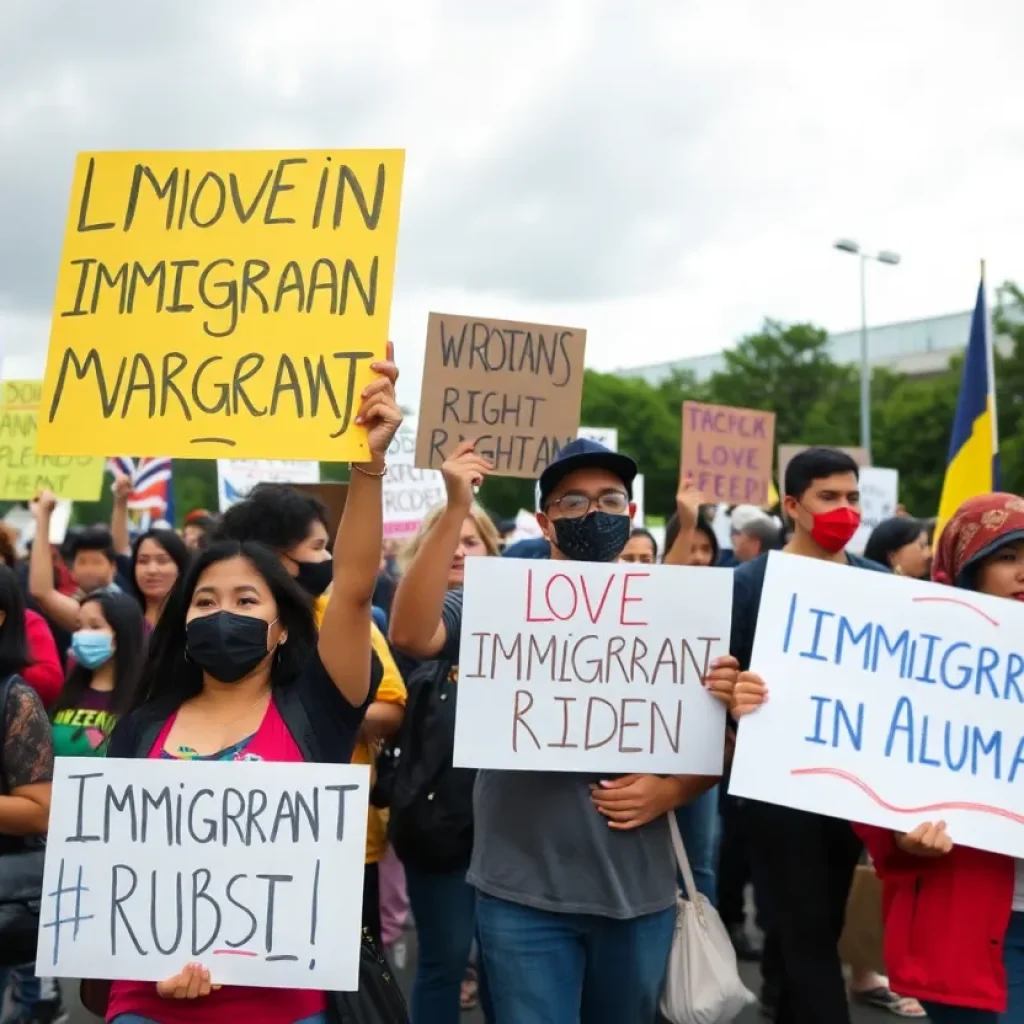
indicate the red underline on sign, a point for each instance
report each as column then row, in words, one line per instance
column 949, row 805
column 954, row 600
column 233, row 952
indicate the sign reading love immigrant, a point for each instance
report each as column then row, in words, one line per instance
column 23, row 471
column 590, row 667
column 253, row 869
column 221, row 304
column 728, row 452
column 893, row 702
column 515, row 388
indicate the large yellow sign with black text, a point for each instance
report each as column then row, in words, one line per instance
column 221, row 305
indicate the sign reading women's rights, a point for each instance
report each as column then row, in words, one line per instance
column 23, row 472
column 728, row 452
column 237, row 477
column 253, row 869
column 893, row 702
column 590, row 667
column 221, row 304
column 408, row 493
column 515, row 388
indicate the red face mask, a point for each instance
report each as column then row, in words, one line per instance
column 834, row 529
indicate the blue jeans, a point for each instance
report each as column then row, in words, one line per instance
column 25, row 992
column 699, row 826
column 547, row 968
column 444, row 912
column 1013, row 959
column 134, row 1018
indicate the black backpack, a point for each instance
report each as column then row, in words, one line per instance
column 431, row 819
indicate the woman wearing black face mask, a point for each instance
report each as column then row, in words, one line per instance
column 237, row 671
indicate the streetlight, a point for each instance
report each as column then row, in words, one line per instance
column 883, row 256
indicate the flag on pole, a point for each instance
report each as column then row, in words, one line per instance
column 973, row 464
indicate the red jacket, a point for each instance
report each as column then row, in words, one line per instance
column 45, row 674
column 945, row 921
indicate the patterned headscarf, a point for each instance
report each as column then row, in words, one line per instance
column 980, row 526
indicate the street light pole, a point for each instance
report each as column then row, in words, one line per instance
column 884, row 256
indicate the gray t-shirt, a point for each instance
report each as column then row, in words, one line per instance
column 539, row 840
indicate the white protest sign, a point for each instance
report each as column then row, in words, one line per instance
column 638, row 499
column 591, row 667
column 608, row 436
column 408, row 493
column 879, row 496
column 252, row 868
column 237, row 477
column 893, row 702
column 60, row 519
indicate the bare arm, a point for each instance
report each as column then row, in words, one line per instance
column 688, row 501
column 58, row 607
column 345, row 644
column 119, row 515
column 415, row 627
column 383, row 720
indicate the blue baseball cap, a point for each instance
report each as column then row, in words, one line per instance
column 586, row 454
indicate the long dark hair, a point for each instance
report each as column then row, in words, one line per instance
column 168, row 673
column 14, row 656
column 172, row 544
column 125, row 619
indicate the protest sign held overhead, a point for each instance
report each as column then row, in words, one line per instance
column 893, row 702
column 252, row 868
column 514, row 387
column 237, row 477
column 222, row 303
column 409, row 493
column 23, row 471
column 728, row 452
column 591, row 667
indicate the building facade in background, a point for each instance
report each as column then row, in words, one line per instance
column 915, row 347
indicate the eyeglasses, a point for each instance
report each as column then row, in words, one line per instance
column 575, row 505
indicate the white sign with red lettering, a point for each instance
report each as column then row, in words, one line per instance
column 591, row 667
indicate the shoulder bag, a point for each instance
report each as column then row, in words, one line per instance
column 21, row 874
column 702, row 980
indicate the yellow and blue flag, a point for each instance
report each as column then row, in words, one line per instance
column 973, row 464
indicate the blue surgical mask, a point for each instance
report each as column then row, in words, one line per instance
column 92, row 648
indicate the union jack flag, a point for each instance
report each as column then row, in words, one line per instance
column 152, row 486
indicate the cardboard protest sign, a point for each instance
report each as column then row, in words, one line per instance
column 728, row 452
column 787, row 451
column 893, row 702
column 221, row 303
column 253, row 869
column 23, row 471
column 591, row 667
column 408, row 493
column 879, row 496
column 514, row 387
column 237, row 477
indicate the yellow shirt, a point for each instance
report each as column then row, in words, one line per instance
column 391, row 691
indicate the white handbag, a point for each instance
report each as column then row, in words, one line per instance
column 702, row 982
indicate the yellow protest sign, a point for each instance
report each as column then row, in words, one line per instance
column 214, row 305
column 23, row 472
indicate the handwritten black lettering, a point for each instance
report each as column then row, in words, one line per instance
column 80, row 836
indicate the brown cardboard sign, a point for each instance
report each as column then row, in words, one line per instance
column 514, row 387
column 332, row 494
column 728, row 452
column 787, row 451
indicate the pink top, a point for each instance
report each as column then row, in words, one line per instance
column 271, row 742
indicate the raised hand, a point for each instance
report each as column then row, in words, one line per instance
column 464, row 470
column 379, row 411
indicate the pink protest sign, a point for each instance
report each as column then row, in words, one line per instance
column 728, row 452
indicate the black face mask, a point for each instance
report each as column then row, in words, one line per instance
column 314, row 577
column 226, row 645
column 597, row 537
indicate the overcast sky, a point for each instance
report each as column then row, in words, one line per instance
column 664, row 174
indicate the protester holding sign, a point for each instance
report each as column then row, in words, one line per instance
column 238, row 672
column 955, row 915
column 575, row 874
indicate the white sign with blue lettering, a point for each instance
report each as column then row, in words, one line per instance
column 893, row 702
